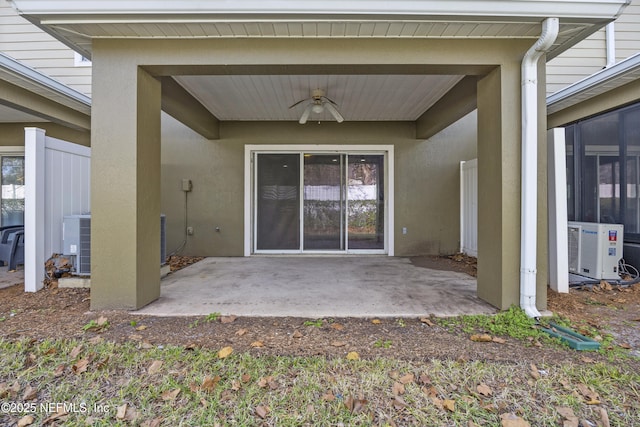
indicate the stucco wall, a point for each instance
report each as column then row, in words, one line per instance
column 426, row 179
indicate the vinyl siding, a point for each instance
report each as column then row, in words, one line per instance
column 590, row 55
column 628, row 32
column 33, row 47
column 582, row 60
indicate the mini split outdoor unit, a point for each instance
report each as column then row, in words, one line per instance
column 76, row 242
column 595, row 249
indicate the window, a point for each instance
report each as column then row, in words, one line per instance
column 12, row 180
column 603, row 170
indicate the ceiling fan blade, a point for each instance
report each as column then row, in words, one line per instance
column 330, row 100
column 305, row 114
column 299, row 102
column 336, row 115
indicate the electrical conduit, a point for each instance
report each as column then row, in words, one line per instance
column 529, row 192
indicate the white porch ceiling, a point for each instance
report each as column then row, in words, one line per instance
column 359, row 97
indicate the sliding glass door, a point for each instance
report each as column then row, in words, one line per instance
column 319, row 202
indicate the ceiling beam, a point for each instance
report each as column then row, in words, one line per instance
column 182, row 106
column 455, row 104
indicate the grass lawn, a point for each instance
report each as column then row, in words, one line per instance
column 100, row 383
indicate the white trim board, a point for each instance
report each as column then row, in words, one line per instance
column 319, row 148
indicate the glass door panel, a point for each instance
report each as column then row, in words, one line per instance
column 12, row 201
column 324, row 202
column 365, row 200
column 278, row 202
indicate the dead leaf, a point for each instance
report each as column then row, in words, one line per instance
column 570, row 419
column 512, row 420
column 498, row 340
column 27, row 420
column 154, row 368
column 397, row 389
column 267, row 381
column 481, row 338
column 146, row 345
column 75, row 351
column 338, row 343
column 376, row 321
column 170, row 394
column 437, row 402
column 336, row 326
column 604, row 417
column 407, row 378
column 352, row 355
column 225, row 352
column 121, row 411
column 484, row 389
column 257, row 344
column 427, row 321
column 262, row 411
column 141, row 328
column 30, row 393
column 102, row 321
column 235, row 385
column 587, row 359
column 245, row 378
column 80, row 366
column 59, row 414
column 297, row 334
column 228, row 319
column 471, row 424
column 58, row 371
column 209, row 383
column 190, row 346
column 399, row 403
column 156, row 422
column 355, row 406
column 328, row 397
column 590, row 395
column 625, row 345
column 425, row 379
column 241, row 332
column 534, row 372
column 449, row 405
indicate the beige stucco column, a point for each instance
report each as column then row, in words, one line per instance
column 499, row 186
column 125, row 184
column 499, row 179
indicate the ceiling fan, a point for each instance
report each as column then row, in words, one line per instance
column 317, row 105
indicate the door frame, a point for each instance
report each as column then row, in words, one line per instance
column 249, row 205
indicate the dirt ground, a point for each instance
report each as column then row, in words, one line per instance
column 64, row 313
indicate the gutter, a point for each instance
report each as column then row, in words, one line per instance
column 529, row 192
column 35, row 77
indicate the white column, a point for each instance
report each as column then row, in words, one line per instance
column 557, row 207
column 34, row 152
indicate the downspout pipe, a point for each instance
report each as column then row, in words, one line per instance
column 529, row 180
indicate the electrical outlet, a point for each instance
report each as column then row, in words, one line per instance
column 404, row 230
column 190, row 231
column 186, row 185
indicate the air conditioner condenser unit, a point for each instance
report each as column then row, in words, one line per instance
column 595, row 249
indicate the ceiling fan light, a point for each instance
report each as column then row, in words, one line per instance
column 317, row 108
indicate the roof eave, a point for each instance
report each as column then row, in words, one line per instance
column 596, row 84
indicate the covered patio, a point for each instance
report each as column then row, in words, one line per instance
column 316, row 287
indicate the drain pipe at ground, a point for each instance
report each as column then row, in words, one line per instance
column 529, row 192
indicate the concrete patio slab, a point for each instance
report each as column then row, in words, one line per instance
column 315, row 287
column 10, row 278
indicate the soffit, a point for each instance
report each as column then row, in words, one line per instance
column 10, row 115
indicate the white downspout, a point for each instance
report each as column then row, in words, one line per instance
column 610, row 36
column 529, row 193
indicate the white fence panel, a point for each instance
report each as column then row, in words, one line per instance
column 58, row 184
column 469, row 207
